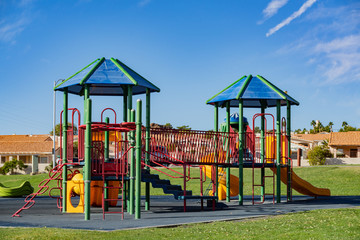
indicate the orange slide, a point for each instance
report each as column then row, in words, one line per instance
column 234, row 183
column 298, row 184
column 301, row 185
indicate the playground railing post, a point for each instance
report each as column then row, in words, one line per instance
column 288, row 132
column 216, row 129
column 228, row 151
column 147, row 148
column 106, row 156
column 64, row 149
column 278, row 152
column 138, row 160
column 87, row 172
column 262, row 153
column 241, row 153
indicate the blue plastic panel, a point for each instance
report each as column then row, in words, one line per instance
column 257, row 93
column 108, row 80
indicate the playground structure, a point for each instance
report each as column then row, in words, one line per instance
column 117, row 157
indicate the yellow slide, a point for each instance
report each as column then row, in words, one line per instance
column 234, row 183
column 301, row 185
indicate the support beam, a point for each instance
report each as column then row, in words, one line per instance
column 241, row 152
column 278, row 151
column 262, row 152
column 138, row 160
column 64, row 148
column 228, row 152
column 125, row 104
column 216, row 129
column 289, row 163
column 132, row 166
column 147, row 149
column 131, row 152
column 125, row 119
column 106, row 155
column 87, row 170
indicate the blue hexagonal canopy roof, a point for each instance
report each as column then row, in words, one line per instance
column 106, row 77
column 255, row 93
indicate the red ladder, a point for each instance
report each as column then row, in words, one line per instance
column 54, row 174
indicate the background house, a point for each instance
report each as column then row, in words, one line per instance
column 34, row 150
column 347, row 143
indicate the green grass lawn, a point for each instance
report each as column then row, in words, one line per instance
column 317, row 224
column 341, row 180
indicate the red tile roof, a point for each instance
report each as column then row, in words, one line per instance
column 312, row 137
column 345, row 138
column 23, row 144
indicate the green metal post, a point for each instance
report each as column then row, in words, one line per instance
column 147, row 149
column 87, row 172
column 228, row 152
column 131, row 153
column 125, row 105
column 278, row 152
column 132, row 166
column 262, row 153
column 64, row 150
column 138, row 160
column 125, row 119
column 288, row 131
column 106, row 155
column 241, row 153
column 129, row 103
column 216, row 129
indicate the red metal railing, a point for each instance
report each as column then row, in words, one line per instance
column 70, row 137
column 194, row 147
column 117, row 163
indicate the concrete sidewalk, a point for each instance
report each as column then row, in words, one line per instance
column 165, row 211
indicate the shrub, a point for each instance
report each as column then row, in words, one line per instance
column 11, row 166
column 318, row 155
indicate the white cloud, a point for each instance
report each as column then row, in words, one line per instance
column 273, row 7
column 340, row 59
column 12, row 25
column 287, row 21
column 142, row 3
column 8, row 31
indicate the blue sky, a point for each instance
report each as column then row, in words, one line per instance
column 189, row 49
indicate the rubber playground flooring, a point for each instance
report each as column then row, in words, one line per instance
column 165, row 212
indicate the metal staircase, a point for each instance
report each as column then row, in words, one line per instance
column 165, row 184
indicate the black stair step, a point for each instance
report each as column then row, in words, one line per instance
column 162, row 182
column 150, row 176
column 179, row 194
column 174, row 187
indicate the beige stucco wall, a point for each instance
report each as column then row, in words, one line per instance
column 330, row 161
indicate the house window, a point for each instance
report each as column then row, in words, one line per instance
column 25, row 159
column 43, row 159
column 353, row 153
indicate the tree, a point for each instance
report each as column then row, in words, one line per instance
column 12, row 165
column 313, row 124
column 346, row 128
column 57, row 130
column 257, row 130
column 168, row 126
column 331, row 124
column 318, row 155
column 320, row 127
column 184, row 127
